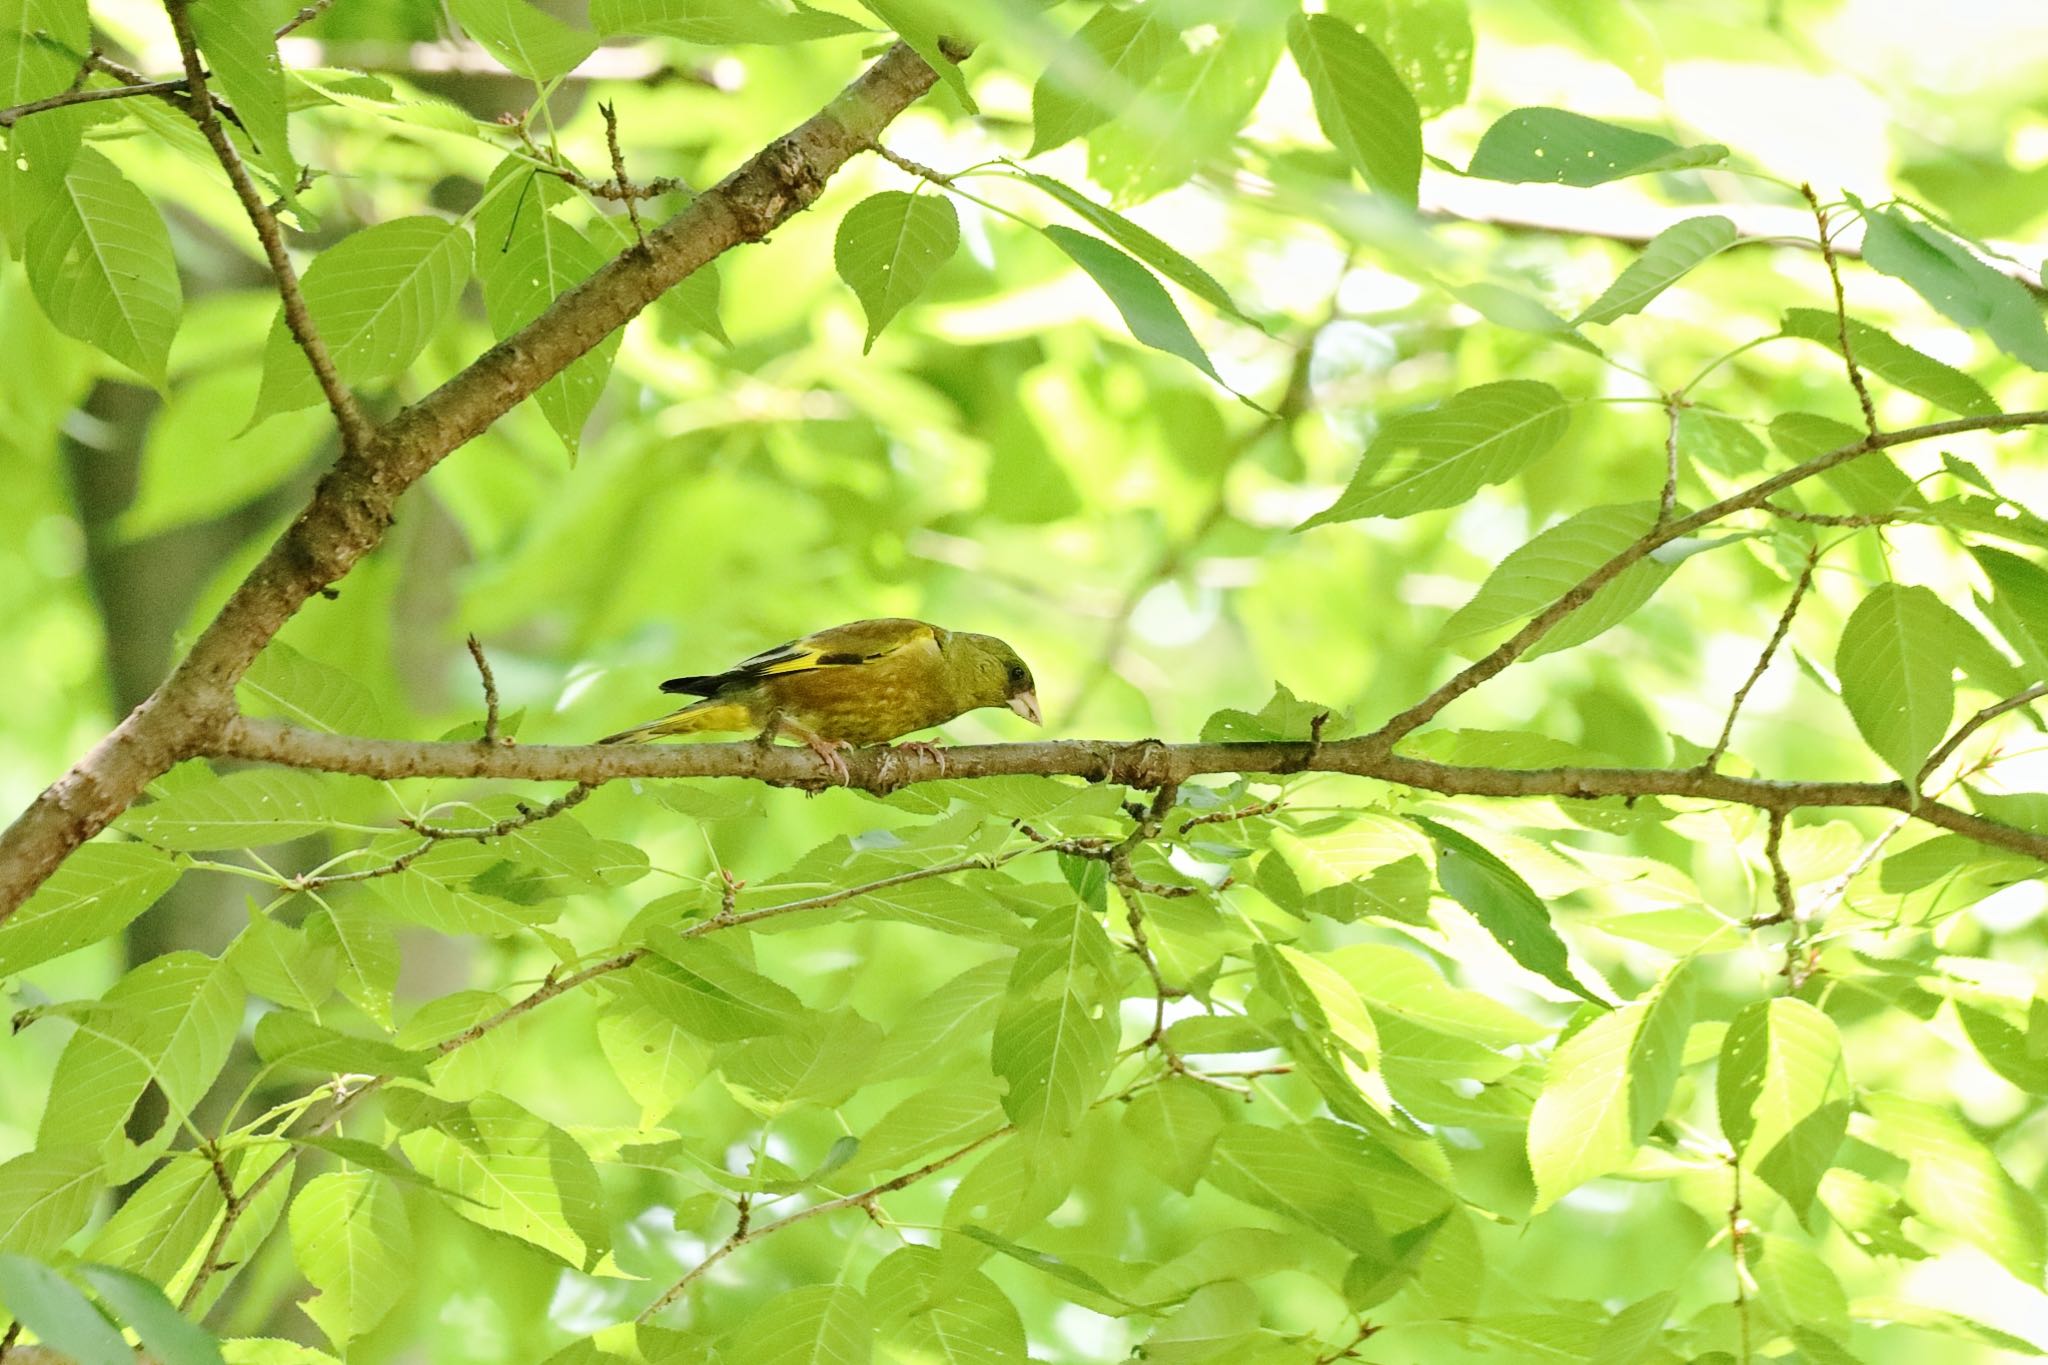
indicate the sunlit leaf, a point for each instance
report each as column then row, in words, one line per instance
column 1113, row 56
column 1783, row 1094
column 888, row 248
column 1901, row 694
column 99, row 261
column 1503, row 904
column 1558, row 147
column 1965, row 290
column 528, row 40
column 97, row 892
column 1665, row 260
column 353, row 1241
column 1364, row 107
column 1147, row 309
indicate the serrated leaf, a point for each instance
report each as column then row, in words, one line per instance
column 1148, row 310
column 97, row 892
column 888, row 248
column 529, row 41
column 1558, row 147
column 283, row 964
column 819, row 1324
column 1054, row 1054
column 711, row 993
column 294, row 1042
column 1190, row 115
column 517, row 1174
column 931, row 1311
column 1963, row 288
column 1955, row 1182
column 99, row 262
column 365, row 949
column 1783, row 1094
column 1283, row 1171
column 45, row 1196
column 1428, row 41
column 526, row 258
column 1175, row 1123
column 655, row 1059
column 376, row 298
column 163, row 1224
column 1364, row 107
column 242, row 809
column 353, row 1242
column 1092, row 77
column 240, row 44
column 1504, row 905
column 1665, row 259
column 1894, row 362
column 1149, row 249
column 285, row 683
column 2018, row 606
column 1537, row 574
column 1443, row 455
column 1901, row 692
column 927, row 25
column 1217, row 1321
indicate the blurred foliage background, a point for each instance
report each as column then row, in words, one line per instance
column 1005, row 458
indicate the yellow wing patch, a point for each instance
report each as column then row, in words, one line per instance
column 858, row 642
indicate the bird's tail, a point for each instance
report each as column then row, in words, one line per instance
column 703, row 715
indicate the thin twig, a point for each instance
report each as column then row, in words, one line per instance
column 916, row 168
column 611, row 141
column 1230, row 817
column 1763, row 660
column 1976, row 723
column 1853, row 519
column 549, row 161
column 1738, row 1232
column 356, row 433
column 1827, row 254
column 1367, row 1329
column 1667, row 500
column 483, row 668
column 303, row 17
column 523, row 816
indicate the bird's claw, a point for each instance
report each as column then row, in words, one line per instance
column 926, row 750
column 832, row 753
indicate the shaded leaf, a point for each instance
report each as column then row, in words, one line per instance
column 888, row 248
column 1364, row 107
column 1558, row 147
column 1665, row 259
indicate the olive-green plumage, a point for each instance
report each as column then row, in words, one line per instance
column 866, row 682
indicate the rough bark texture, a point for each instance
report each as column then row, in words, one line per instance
column 353, row 505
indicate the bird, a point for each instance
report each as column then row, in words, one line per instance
column 865, row 682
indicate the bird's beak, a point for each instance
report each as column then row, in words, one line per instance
column 1025, row 704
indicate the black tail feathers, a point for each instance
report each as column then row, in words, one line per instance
column 702, row 685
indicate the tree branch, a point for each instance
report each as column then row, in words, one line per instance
column 1145, row 763
column 1756, row 495
column 353, row 505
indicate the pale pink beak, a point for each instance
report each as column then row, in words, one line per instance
column 1025, row 704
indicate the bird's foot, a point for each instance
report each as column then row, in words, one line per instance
column 832, row 752
column 926, row 750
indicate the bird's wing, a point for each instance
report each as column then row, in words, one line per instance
column 857, row 642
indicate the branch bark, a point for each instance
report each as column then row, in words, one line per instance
column 1145, row 763
column 352, row 506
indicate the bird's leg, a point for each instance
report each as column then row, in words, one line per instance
column 831, row 751
column 926, row 749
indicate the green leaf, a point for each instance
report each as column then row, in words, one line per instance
column 1894, row 362
column 161, row 1225
column 1175, row 1124
column 1963, row 288
column 1428, row 41
column 1142, row 244
column 1956, row 1183
column 1047, row 1264
column 366, row 950
column 526, row 258
column 283, row 964
column 1783, row 1095
column 170, row 1020
column 353, row 1242
column 1363, row 105
column 822, row 1063
column 517, row 1174
column 930, row 1311
column 200, row 461
column 142, row 1305
column 819, row 1324
column 1558, row 147
column 240, row 46
column 1147, row 309
column 1504, row 906
column 99, row 262
column 1054, row 1054
column 253, row 807
column 287, row 684
column 1093, row 76
column 46, row 1196
column 1901, row 692
column 47, row 1304
column 888, row 248
column 293, row 1042
column 1443, row 455
column 1189, row 117
column 1231, row 1254
column 97, row 892
column 527, row 40
column 1283, row 1171
column 718, row 23
column 928, row 25
column 1537, row 574
column 1217, row 1320
column 1634, row 1329
column 376, row 298
column 1666, row 259
column 1401, row 983
column 1618, row 32
column 2018, row 605
column 706, row 989
column 655, row 1059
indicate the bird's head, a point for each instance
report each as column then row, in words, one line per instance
column 994, row 676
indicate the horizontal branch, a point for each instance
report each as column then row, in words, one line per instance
column 1146, row 763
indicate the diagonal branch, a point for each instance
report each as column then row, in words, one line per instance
column 1756, row 495
column 353, row 505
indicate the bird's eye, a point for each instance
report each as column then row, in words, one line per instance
column 1016, row 674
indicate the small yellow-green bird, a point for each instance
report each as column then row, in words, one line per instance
column 866, row 682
